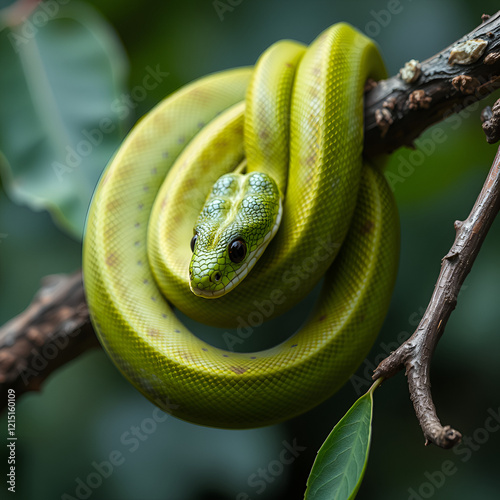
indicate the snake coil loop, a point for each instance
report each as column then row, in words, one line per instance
column 301, row 108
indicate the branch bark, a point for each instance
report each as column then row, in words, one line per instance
column 397, row 112
column 55, row 328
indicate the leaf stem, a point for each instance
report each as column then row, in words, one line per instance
column 375, row 385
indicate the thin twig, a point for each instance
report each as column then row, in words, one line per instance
column 415, row 354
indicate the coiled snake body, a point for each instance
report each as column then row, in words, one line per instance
column 298, row 117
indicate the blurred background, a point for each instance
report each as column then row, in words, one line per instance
column 72, row 82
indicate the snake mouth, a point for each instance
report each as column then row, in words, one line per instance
column 213, row 294
column 209, row 293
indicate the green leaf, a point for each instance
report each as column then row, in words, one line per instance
column 340, row 464
column 60, row 119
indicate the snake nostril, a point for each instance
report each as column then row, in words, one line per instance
column 216, row 277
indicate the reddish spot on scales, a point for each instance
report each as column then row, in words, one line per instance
column 153, row 332
column 264, row 135
column 201, row 95
column 323, row 317
column 163, row 122
column 308, row 179
column 189, row 183
column 314, row 93
column 178, row 218
column 311, row 159
column 186, row 355
column 220, row 144
column 238, row 369
column 367, row 227
column 322, row 37
column 163, row 203
column 111, row 259
column 113, row 205
column 124, row 171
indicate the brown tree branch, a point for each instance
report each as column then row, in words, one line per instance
column 396, row 112
column 415, row 354
column 56, row 328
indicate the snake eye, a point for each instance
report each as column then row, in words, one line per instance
column 193, row 242
column 237, row 250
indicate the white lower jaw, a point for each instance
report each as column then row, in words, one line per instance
column 210, row 294
column 207, row 294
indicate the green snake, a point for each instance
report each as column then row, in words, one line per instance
column 293, row 124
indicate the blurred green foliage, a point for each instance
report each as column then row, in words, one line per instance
column 61, row 121
column 86, row 411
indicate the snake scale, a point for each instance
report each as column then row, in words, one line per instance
column 297, row 117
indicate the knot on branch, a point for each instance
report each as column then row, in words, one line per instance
column 491, row 122
column 465, row 84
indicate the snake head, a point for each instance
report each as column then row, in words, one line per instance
column 241, row 215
